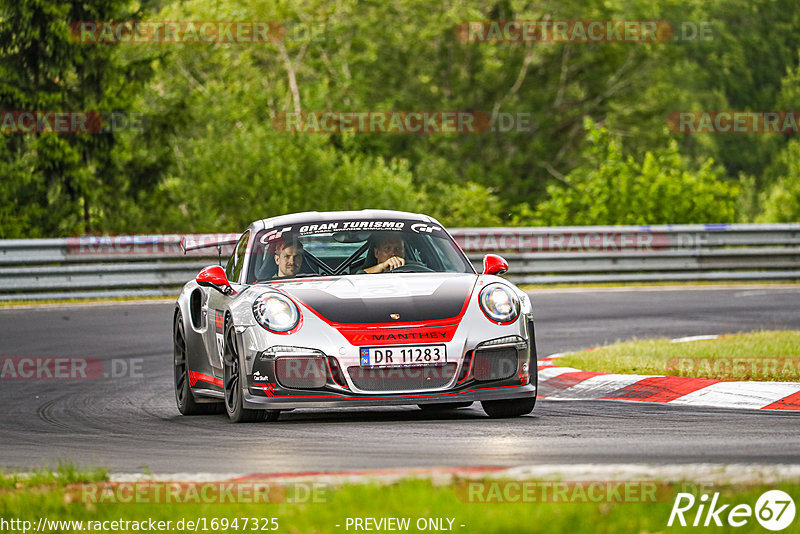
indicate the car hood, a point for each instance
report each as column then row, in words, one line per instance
column 378, row 298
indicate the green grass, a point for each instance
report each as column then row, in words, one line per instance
column 56, row 497
column 655, row 285
column 763, row 356
column 60, row 302
column 64, row 473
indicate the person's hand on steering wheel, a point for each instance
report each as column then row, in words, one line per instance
column 392, row 263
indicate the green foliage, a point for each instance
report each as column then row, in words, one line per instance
column 701, row 359
column 658, row 188
column 64, row 473
column 60, row 183
column 781, row 203
column 233, row 166
column 465, row 205
column 209, row 157
column 754, row 43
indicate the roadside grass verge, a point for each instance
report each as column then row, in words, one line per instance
column 63, row 474
column 760, row 356
column 78, row 301
column 509, row 508
column 677, row 284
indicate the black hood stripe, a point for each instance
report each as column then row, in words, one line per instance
column 446, row 302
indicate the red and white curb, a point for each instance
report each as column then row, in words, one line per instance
column 706, row 472
column 567, row 383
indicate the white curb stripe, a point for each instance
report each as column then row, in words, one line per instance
column 694, row 338
column 739, row 394
column 598, row 387
column 552, row 372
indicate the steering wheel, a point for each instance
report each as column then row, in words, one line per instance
column 411, row 267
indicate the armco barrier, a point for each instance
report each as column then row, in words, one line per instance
column 145, row 265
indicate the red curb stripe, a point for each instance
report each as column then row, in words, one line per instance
column 792, row 402
column 567, row 380
column 661, row 388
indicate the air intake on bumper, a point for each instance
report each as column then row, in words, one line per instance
column 411, row 378
column 498, row 359
column 301, row 372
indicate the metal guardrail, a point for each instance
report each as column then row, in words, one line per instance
column 146, row 265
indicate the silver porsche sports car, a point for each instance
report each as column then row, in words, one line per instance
column 351, row 308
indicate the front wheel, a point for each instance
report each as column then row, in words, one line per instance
column 501, row 409
column 232, row 384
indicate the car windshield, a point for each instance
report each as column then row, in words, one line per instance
column 353, row 247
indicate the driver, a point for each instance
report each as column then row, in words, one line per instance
column 289, row 258
column 390, row 251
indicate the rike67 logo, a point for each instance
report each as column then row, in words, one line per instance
column 774, row 510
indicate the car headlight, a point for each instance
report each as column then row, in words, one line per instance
column 499, row 303
column 276, row 312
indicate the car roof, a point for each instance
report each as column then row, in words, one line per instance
column 332, row 216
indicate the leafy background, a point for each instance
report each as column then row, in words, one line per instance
column 598, row 150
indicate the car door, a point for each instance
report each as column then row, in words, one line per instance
column 217, row 304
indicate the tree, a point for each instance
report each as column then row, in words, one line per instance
column 781, row 202
column 660, row 188
column 62, row 182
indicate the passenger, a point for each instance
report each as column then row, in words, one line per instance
column 289, row 258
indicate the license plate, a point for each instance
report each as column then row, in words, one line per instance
column 403, row 355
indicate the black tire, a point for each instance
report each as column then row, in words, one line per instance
column 184, row 397
column 501, row 409
column 443, row 406
column 232, row 379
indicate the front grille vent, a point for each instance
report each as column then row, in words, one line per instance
column 411, row 378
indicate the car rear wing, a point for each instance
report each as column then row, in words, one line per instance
column 200, row 241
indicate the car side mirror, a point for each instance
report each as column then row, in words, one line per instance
column 214, row 276
column 494, row 264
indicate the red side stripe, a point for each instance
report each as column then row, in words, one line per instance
column 660, row 388
column 792, row 402
column 195, row 377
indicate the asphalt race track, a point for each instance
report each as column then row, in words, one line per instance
column 130, row 423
